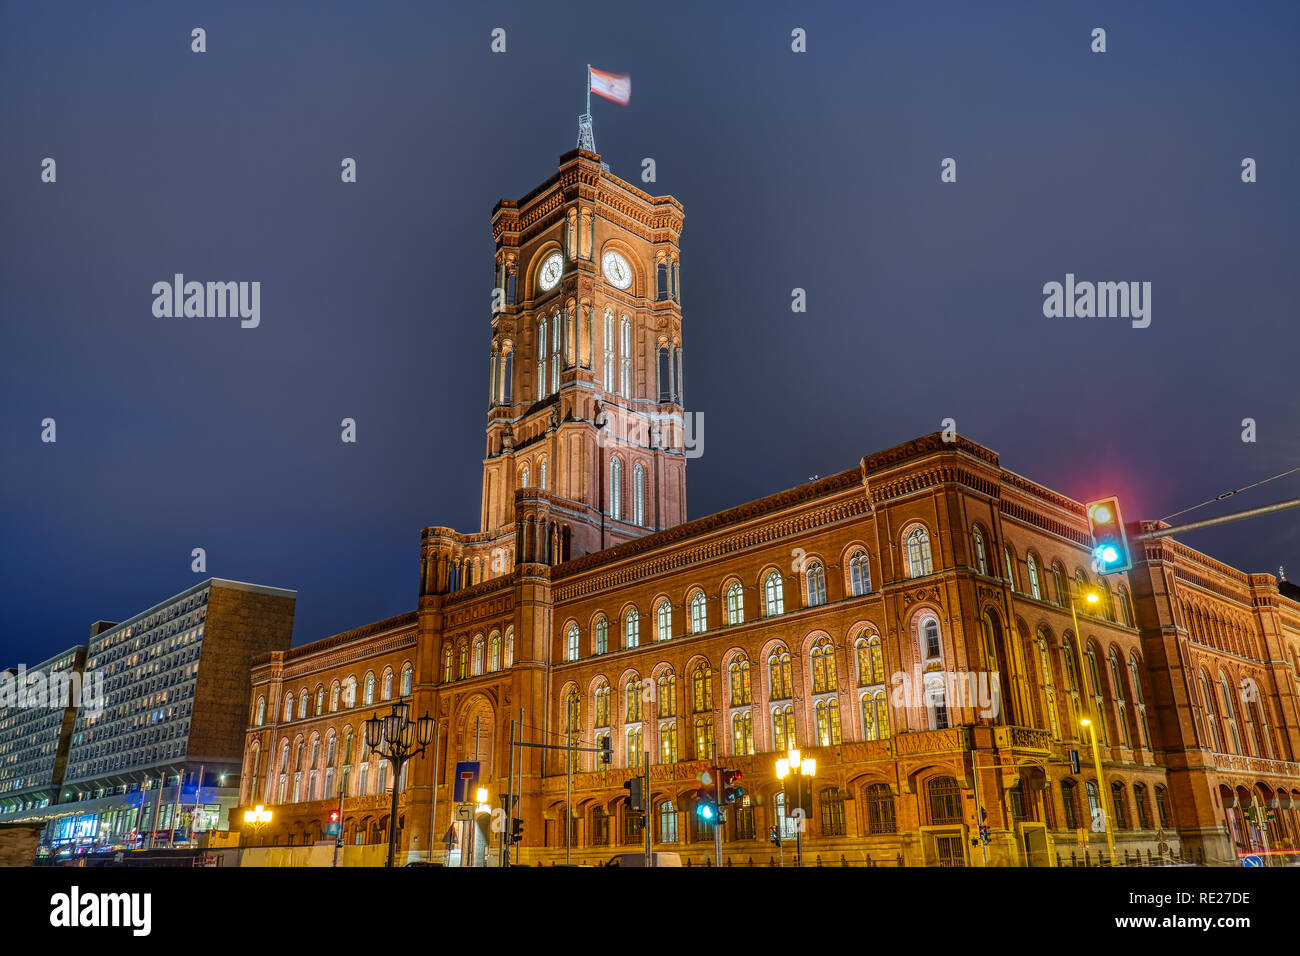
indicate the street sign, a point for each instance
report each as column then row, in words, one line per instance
column 1252, row 860
column 466, row 778
column 464, row 812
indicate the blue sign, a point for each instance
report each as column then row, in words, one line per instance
column 466, row 780
column 1252, row 860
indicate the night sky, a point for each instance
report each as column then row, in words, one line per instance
column 817, row 170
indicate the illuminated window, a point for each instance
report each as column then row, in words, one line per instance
column 815, row 576
column 783, row 728
column 860, row 573
column 699, row 622
column 633, row 698
column 667, row 694
column 823, row 667
column 778, row 672
column 701, row 688
column 632, row 628
column 773, row 594
column 742, row 732
column 663, row 620
column 735, row 604
column 918, row 553
column 741, row 693
column 602, row 635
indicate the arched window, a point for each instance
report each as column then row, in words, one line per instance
column 936, row 701
column 1049, row 683
column 462, row 660
column 783, row 728
column 666, row 691
column 1121, row 705
column 369, row 697
column 663, row 620
column 446, row 664
column 859, row 573
column 494, row 651
column 1119, row 806
column 320, row 700
column 773, row 594
column 1139, row 700
column 388, row 685
column 827, row 718
column 408, row 677
column 1125, row 606
column 634, row 746
column 742, row 732
column 626, row 376
column 602, row 704
column 510, row 646
column 699, row 613
column 1069, row 800
column 571, row 643
column 572, row 711
column 616, row 488
column 541, row 478
column 945, row 801
column 302, row 705
column 870, row 660
column 638, row 495
column 1162, row 807
column 832, row 801
column 741, row 694
column 875, row 716
column 1058, row 582
column 735, row 603
column 541, row 358
column 261, row 712
column 1210, row 717
column 610, row 344
column 1034, row 587
column 702, row 688
column 632, row 697
column 930, row 640
column 1010, row 564
column 1094, row 679
column 1230, row 713
column 981, row 558
column 667, row 816
column 632, row 628
column 1140, row 806
column 602, row 635
column 334, row 697
column 523, row 478
column 1105, row 599
column 703, row 737
column 880, row 809
column 668, row 742
column 815, row 576
column 778, row 673
column 823, row 667
column 919, row 561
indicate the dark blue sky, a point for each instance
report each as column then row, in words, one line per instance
column 818, row 170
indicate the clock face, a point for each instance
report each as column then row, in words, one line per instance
column 552, row 269
column 617, row 271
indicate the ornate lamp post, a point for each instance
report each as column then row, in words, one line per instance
column 397, row 739
column 800, row 767
column 256, row 818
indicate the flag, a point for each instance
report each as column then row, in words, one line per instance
column 612, row 86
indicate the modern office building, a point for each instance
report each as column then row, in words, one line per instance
column 161, row 758
column 36, row 729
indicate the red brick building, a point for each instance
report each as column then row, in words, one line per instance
column 909, row 623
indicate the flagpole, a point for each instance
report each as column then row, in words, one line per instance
column 588, row 89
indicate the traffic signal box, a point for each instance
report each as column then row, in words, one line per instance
column 1110, row 548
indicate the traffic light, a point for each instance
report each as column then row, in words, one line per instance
column 774, row 835
column 1110, row 552
column 635, row 794
column 984, row 834
column 606, row 750
column 731, row 788
column 516, row 830
column 332, row 829
column 707, row 811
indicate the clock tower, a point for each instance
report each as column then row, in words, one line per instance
column 585, row 380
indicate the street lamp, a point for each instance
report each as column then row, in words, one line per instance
column 395, row 738
column 1101, row 788
column 801, row 767
column 256, row 818
column 1092, row 597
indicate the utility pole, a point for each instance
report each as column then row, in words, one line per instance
column 648, row 803
column 433, row 802
column 717, row 802
column 979, row 809
column 510, row 801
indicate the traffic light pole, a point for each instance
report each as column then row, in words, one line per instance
column 1222, row 519
column 648, row 803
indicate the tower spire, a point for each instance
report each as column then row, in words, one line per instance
column 586, row 136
